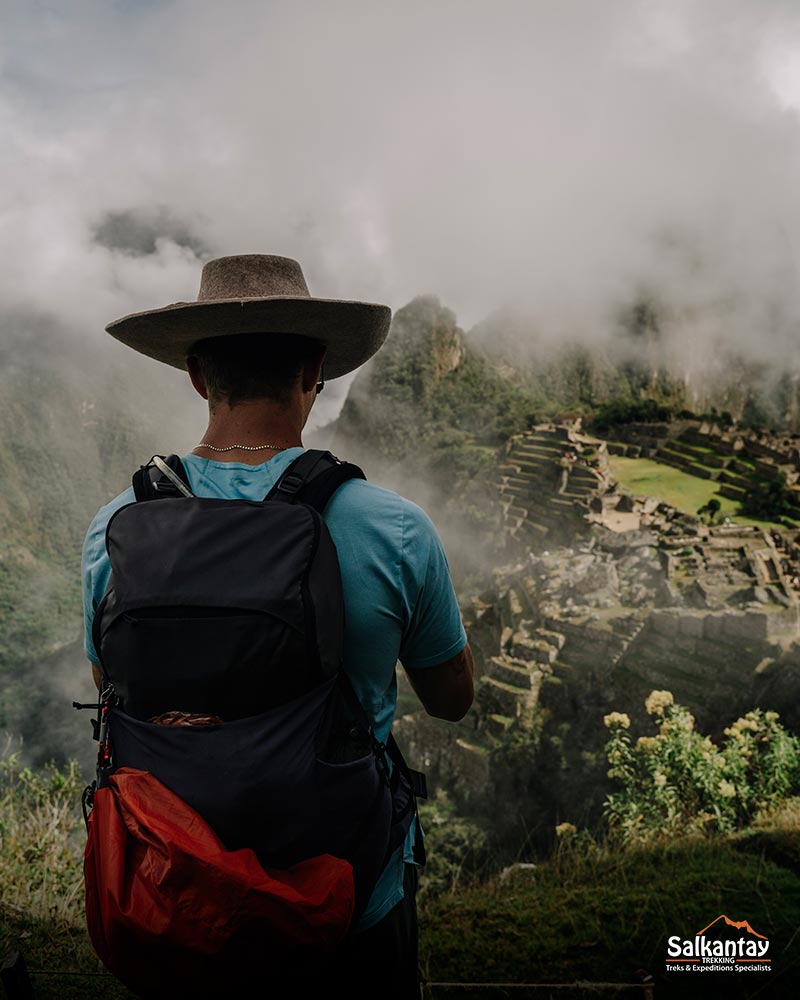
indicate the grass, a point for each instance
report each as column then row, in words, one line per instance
column 41, row 882
column 597, row 914
column 644, row 477
column 589, row 912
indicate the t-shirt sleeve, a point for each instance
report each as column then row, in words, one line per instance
column 92, row 564
column 433, row 631
column 96, row 568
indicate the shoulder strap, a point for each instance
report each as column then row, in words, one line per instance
column 150, row 483
column 416, row 779
column 313, row 478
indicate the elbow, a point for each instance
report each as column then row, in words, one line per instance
column 447, row 690
column 454, row 715
column 454, row 710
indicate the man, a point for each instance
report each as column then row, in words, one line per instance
column 256, row 344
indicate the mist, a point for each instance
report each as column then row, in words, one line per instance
column 561, row 158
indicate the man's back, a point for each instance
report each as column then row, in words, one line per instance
column 399, row 601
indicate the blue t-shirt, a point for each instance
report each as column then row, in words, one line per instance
column 398, row 596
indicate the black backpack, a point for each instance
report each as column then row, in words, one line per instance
column 233, row 608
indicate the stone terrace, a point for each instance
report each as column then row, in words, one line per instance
column 546, row 482
column 729, row 457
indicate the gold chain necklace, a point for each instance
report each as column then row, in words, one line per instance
column 245, row 447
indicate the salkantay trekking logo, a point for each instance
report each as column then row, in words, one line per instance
column 720, row 947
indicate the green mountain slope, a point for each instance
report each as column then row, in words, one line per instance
column 71, row 433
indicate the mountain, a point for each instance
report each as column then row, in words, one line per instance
column 431, row 415
column 75, row 422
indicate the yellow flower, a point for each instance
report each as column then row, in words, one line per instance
column 683, row 723
column 566, row 830
column 727, row 789
column 616, row 719
column 647, row 743
column 659, row 779
column 658, row 701
column 771, row 716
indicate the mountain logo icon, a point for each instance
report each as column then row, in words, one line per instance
column 735, row 924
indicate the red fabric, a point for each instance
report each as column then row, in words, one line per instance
column 168, row 906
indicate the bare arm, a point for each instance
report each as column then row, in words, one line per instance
column 446, row 690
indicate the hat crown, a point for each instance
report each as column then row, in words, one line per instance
column 251, row 276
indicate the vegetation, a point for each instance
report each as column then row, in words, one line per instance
column 599, row 913
column 428, row 390
column 680, row 781
column 710, row 510
column 457, row 849
column 593, row 910
column 645, row 477
column 70, row 441
column 697, row 830
column 768, row 499
column 41, row 838
column 620, row 412
column 41, row 880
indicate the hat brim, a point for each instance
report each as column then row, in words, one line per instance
column 351, row 331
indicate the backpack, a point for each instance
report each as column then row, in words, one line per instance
column 243, row 808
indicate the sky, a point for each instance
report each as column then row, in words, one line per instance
column 561, row 157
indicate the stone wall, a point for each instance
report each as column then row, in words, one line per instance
column 546, row 678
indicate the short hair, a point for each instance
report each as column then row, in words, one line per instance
column 248, row 366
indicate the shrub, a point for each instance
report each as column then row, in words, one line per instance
column 457, row 849
column 768, row 498
column 41, row 839
column 679, row 780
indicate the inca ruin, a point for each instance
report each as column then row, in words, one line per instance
column 609, row 594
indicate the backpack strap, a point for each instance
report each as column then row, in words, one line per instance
column 313, row 478
column 151, row 483
column 416, row 779
column 419, row 788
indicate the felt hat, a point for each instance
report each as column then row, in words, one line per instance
column 257, row 293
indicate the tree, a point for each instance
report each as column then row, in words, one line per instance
column 712, row 508
column 768, row 498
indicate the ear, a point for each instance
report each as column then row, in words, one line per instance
column 312, row 368
column 194, row 374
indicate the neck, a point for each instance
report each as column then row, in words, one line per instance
column 252, row 423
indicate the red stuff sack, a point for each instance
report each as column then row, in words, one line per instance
column 169, row 908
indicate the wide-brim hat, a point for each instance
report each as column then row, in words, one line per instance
column 257, row 293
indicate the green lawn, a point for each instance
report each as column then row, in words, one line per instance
column 644, row 477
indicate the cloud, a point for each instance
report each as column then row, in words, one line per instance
column 555, row 154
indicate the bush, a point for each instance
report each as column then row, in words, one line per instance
column 457, row 849
column 679, row 780
column 711, row 509
column 768, row 498
column 41, row 840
